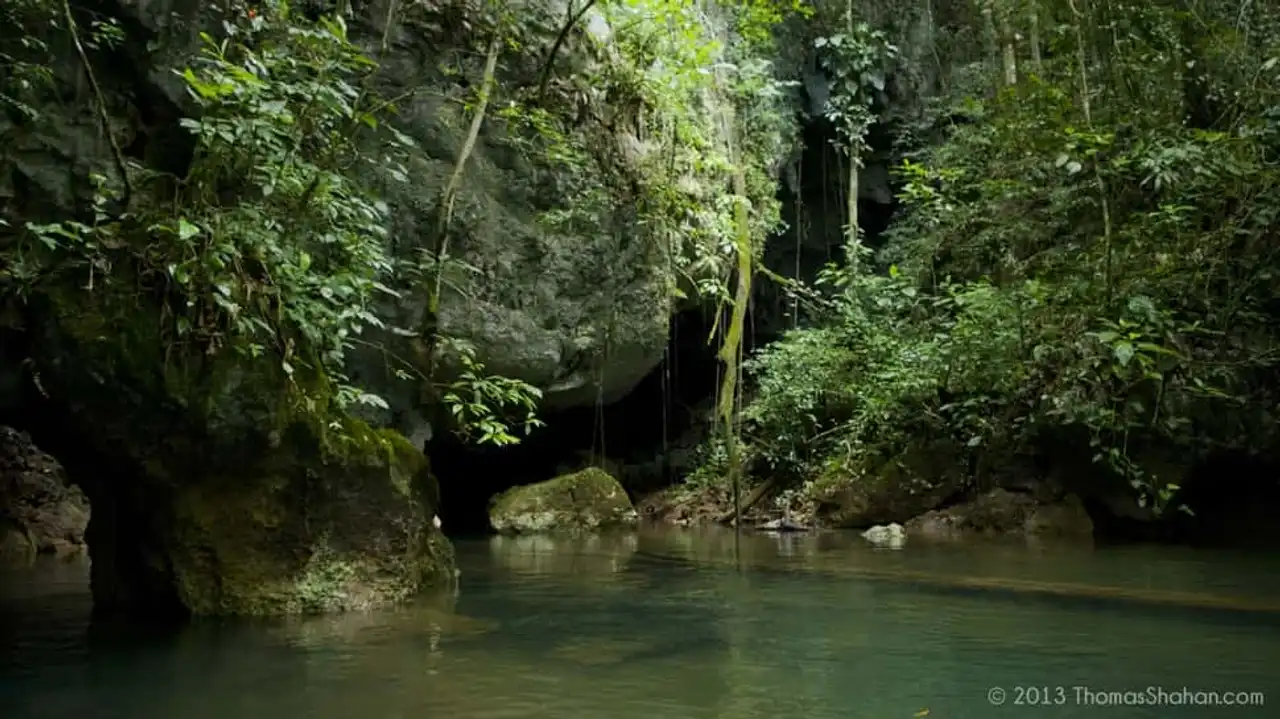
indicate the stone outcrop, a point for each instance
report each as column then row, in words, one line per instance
column 585, row 500
column 922, row 477
column 40, row 511
column 1001, row 513
column 305, row 521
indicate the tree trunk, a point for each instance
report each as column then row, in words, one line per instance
column 1009, row 50
column 1087, row 107
column 1034, row 34
column 431, row 331
column 990, row 39
column 855, row 161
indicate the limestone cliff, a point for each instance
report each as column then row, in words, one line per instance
column 227, row 482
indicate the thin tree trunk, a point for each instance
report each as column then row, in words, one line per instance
column 990, row 39
column 855, row 161
column 1034, row 34
column 1010, row 52
column 100, row 104
column 731, row 347
column 555, row 46
column 447, row 198
column 800, row 229
column 1097, row 171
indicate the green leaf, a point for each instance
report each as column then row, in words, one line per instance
column 1123, row 352
column 186, row 230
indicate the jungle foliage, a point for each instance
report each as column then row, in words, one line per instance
column 1085, row 245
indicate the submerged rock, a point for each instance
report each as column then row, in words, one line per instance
column 40, row 511
column 890, row 535
column 1000, row 512
column 782, row 524
column 593, row 557
column 589, row 499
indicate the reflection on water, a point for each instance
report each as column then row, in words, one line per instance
column 676, row 623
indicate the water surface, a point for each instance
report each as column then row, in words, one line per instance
column 686, row 624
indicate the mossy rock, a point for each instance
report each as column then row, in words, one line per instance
column 225, row 486
column 585, row 500
column 884, row 491
column 307, row 533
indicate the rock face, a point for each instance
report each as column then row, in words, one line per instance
column 579, row 307
column 1000, row 512
column 553, row 283
column 316, row 523
column 585, row 500
column 40, row 511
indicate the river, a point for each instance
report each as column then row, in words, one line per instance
column 691, row 624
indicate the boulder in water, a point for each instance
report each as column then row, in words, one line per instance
column 782, row 524
column 888, row 535
column 585, row 500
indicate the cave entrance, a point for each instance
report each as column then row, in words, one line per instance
column 646, row 438
column 813, row 193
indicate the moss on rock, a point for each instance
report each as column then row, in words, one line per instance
column 307, row 532
column 585, row 500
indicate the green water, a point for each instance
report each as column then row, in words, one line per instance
column 673, row 624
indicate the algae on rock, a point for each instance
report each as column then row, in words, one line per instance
column 585, row 500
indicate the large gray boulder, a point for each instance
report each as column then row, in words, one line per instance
column 586, row 500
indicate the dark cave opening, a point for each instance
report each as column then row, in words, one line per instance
column 813, row 193
column 1228, row 501
column 632, row 432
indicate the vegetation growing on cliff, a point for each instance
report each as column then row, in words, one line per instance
column 273, row 246
column 1083, row 253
